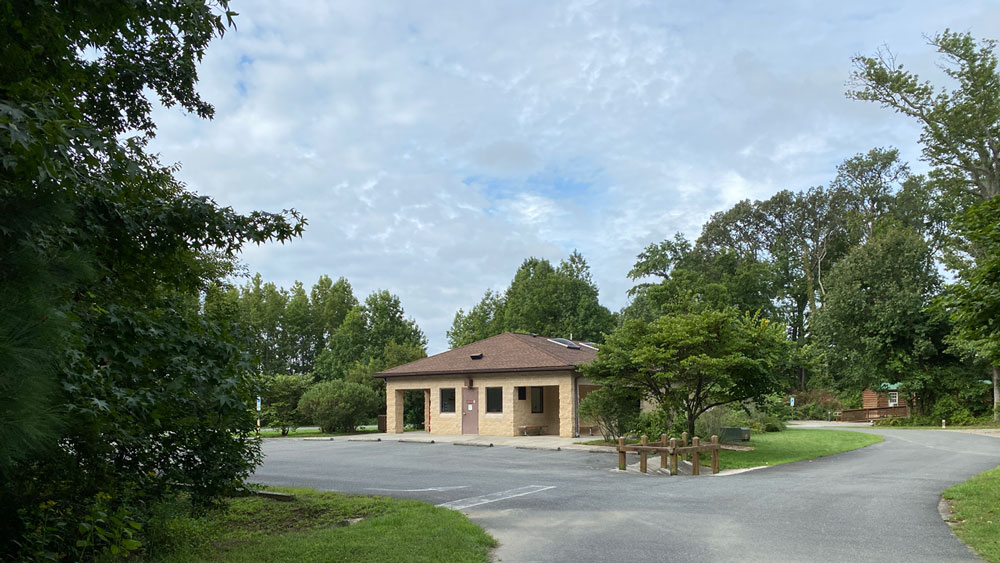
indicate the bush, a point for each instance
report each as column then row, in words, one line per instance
column 658, row 422
column 281, row 399
column 715, row 419
column 613, row 409
column 815, row 404
column 948, row 408
column 338, row 405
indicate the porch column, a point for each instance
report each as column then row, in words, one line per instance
column 427, row 410
column 393, row 411
column 566, row 408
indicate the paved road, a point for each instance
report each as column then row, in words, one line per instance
column 874, row 504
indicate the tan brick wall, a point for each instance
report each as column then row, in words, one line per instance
column 558, row 400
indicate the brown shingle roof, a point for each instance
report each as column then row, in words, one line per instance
column 503, row 352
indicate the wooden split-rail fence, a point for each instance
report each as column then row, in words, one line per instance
column 670, row 449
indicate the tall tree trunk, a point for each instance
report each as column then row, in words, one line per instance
column 996, row 393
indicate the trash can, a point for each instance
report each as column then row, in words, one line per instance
column 735, row 434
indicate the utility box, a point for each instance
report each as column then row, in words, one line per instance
column 735, row 434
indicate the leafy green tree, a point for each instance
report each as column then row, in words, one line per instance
column 338, row 406
column 485, row 319
column 974, row 300
column 138, row 386
column 960, row 126
column 330, row 302
column 540, row 299
column 693, row 277
column 370, row 335
column 875, row 324
column 280, row 400
column 296, row 331
column 691, row 362
column 262, row 308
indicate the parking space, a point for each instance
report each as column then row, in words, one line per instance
column 547, row 505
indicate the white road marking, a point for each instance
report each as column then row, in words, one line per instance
column 419, row 490
column 464, row 503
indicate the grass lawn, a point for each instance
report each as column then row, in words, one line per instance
column 774, row 448
column 311, row 433
column 976, row 506
column 323, row 526
column 795, row 444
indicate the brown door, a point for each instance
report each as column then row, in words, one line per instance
column 470, row 410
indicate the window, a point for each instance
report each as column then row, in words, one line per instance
column 893, row 399
column 494, row 399
column 537, row 399
column 522, row 393
column 447, row 400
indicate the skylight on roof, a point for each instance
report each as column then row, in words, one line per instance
column 565, row 342
column 591, row 345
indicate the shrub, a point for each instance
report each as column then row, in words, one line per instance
column 281, row 399
column 338, row 405
column 658, row 422
column 615, row 410
column 815, row 404
column 715, row 419
column 948, row 408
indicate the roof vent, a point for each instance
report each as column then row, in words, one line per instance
column 478, row 356
column 565, row 342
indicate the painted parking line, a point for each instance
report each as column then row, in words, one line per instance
column 464, row 503
column 418, row 490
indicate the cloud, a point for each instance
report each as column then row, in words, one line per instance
column 435, row 146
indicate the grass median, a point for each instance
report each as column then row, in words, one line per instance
column 775, row 448
column 317, row 526
column 976, row 513
column 794, row 444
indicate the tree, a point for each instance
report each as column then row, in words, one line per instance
column 974, row 301
column 330, row 302
column 485, row 319
column 371, row 336
column 691, row 362
column 961, row 128
column 875, row 326
column 137, row 385
column 280, row 400
column 541, row 299
column 695, row 277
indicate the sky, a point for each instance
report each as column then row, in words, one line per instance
column 434, row 146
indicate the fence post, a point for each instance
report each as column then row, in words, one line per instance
column 715, row 454
column 621, row 454
column 673, row 456
column 696, row 458
column 663, row 453
column 642, row 454
column 684, row 443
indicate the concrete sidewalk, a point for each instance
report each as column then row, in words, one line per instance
column 523, row 442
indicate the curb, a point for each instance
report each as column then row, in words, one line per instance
column 416, row 441
column 317, row 439
column 555, row 449
column 477, row 444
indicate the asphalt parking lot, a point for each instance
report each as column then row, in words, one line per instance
column 879, row 503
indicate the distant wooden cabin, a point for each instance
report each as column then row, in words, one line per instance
column 885, row 401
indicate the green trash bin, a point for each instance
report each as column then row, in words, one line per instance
column 732, row 434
